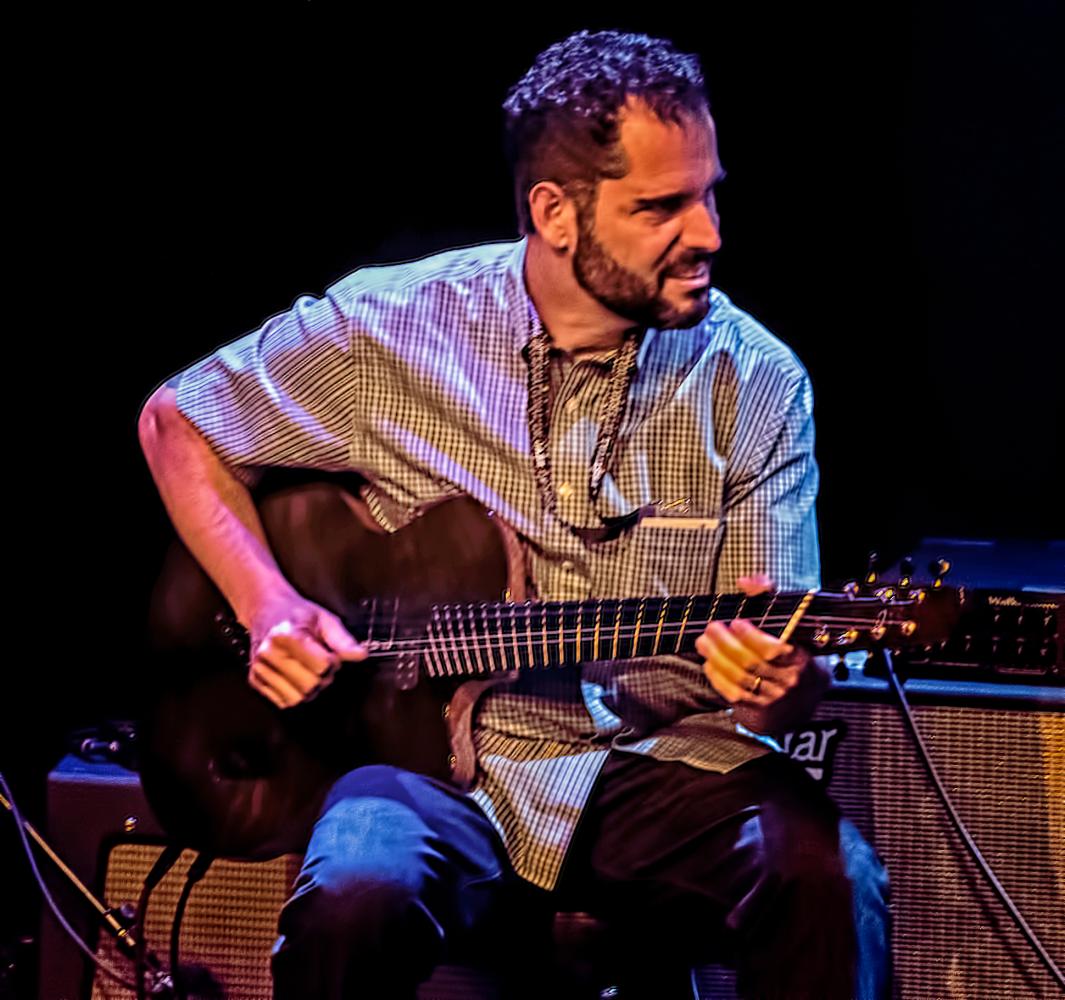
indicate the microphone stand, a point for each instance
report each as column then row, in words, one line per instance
column 118, row 922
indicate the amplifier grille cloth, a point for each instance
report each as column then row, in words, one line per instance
column 229, row 926
column 1005, row 772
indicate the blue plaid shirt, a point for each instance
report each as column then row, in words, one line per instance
column 416, row 376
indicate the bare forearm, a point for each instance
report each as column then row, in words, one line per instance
column 211, row 509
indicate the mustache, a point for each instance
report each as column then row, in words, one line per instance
column 687, row 264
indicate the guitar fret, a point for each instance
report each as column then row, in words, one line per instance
column 529, row 635
column 442, row 649
column 768, row 608
column 639, row 624
column 590, row 631
column 476, row 639
column 580, row 614
column 503, row 664
column 684, row 622
column 462, row 644
column 543, row 635
column 562, row 642
column 483, row 638
column 436, row 638
column 561, row 635
column 470, row 644
column 451, row 650
column 514, row 634
column 598, row 622
column 450, row 647
column 661, row 622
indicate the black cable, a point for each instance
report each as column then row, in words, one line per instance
column 166, row 860
column 105, row 967
column 959, row 826
column 196, row 871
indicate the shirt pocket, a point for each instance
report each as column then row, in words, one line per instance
column 669, row 556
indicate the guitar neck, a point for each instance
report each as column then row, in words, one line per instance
column 477, row 639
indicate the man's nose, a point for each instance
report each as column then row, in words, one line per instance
column 703, row 229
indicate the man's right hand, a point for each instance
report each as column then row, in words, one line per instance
column 296, row 648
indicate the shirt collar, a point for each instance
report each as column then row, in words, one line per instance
column 524, row 320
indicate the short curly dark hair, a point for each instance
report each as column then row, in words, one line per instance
column 562, row 117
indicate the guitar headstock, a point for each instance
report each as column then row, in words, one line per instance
column 898, row 614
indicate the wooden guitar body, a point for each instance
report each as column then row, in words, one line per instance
column 227, row 772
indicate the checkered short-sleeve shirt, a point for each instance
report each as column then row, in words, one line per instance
column 416, row 376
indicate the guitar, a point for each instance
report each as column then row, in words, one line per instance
column 228, row 773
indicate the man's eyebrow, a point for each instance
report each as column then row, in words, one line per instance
column 672, row 196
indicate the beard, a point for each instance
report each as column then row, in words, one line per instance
column 626, row 293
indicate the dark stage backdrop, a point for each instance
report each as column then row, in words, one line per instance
column 893, row 211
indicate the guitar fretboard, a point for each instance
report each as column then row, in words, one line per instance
column 470, row 639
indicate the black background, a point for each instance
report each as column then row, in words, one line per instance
column 893, row 211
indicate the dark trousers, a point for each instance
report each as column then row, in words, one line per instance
column 755, row 867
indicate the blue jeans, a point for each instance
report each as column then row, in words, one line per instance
column 755, row 867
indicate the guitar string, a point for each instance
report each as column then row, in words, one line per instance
column 615, row 604
column 566, row 617
column 540, row 613
column 543, row 621
column 445, row 644
column 570, row 627
column 728, row 600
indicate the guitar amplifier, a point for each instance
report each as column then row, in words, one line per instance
column 1000, row 749
column 1000, row 752
column 99, row 823
column 1012, row 624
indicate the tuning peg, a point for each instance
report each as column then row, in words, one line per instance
column 905, row 571
column 939, row 568
column 852, row 589
column 871, row 573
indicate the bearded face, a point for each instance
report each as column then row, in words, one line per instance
column 642, row 298
column 646, row 238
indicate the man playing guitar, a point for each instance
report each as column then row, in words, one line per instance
column 637, row 434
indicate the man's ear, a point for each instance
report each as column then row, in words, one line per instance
column 554, row 214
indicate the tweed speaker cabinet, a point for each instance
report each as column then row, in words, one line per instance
column 229, row 928
column 99, row 821
column 1000, row 751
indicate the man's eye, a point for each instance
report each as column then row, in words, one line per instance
column 661, row 208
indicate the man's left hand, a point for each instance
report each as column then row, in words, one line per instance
column 771, row 685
